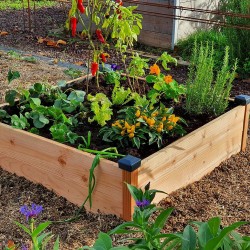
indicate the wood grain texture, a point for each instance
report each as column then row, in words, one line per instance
column 195, row 155
column 61, row 168
column 128, row 201
column 245, row 128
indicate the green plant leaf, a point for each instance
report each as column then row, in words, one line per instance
column 189, row 238
column 36, row 101
column 162, row 218
column 204, row 234
column 57, row 244
column 41, row 237
column 136, row 141
column 103, row 242
column 25, row 229
column 10, row 97
column 40, row 228
column 216, row 242
column 120, row 228
column 12, row 75
column 38, row 87
column 214, row 225
column 77, row 95
column 151, row 78
column 61, row 83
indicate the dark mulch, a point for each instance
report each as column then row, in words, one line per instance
column 224, row 193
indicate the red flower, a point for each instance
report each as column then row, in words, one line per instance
column 94, row 68
column 104, row 56
column 73, row 23
column 80, row 6
column 100, row 36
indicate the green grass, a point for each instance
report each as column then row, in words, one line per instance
column 18, row 4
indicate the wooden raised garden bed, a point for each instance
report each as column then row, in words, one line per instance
column 65, row 170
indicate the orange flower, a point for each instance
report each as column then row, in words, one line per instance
column 155, row 69
column 168, row 79
column 173, row 118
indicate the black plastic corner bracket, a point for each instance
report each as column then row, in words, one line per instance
column 242, row 99
column 129, row 163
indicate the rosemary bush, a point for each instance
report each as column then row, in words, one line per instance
column 206, row 93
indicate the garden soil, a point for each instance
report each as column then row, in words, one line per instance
column 224, row 192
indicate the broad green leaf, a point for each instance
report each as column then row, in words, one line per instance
column 77, row 95
column 61, row 83
column 189, row 238
column 214, row 225
column 103, row 242
column 204, row 234
column 151, row 78
column 12, row 75
column 38, row 87
column 36, row 101
column 10, row 97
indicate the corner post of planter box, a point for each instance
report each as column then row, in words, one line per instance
column 129, row 165
column 245, row 101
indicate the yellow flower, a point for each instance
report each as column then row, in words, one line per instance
column 137, row 113
column 131, row 135
column 168, row 79
column 155, row 69
column 173, row 118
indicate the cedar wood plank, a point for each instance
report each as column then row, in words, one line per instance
column 195, row 155
column 61, row 168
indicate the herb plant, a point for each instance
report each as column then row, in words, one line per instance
column 207, row 94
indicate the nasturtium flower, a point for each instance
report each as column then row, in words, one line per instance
column 143, row 203
column 32, row 212
column 155, row 69
column 168, row 79
column 173, row 118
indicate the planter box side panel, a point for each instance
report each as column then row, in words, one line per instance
column 194, row 155
column 60, row 168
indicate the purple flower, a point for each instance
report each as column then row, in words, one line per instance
column 24, row 247
column 34, row 211
column 115, row 67
column 143, row 203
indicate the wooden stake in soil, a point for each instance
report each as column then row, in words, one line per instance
column 129, row 164
column 244, row 100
